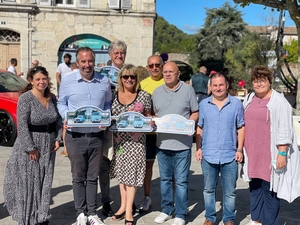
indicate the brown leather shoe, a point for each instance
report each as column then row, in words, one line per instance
column 229, row 223
column 208, row 222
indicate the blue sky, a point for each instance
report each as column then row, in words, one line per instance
column 189, row 15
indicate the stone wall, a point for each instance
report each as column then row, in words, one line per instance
column 43, row 33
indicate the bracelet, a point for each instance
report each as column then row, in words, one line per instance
column 239, row 150
column 282, row 153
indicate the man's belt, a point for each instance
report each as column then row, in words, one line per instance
column 79, row 135
column 42, row 128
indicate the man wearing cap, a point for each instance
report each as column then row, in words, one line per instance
column 199, row 82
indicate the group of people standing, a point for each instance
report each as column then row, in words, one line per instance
column 258, row 132
column 227, row 133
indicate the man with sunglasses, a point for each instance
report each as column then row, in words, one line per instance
column 154, row 66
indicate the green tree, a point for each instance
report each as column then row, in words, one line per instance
column 292, row 51
column 250, row 51
column 223, row 28
column 168, row 38
column 292, row 6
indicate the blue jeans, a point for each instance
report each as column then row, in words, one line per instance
column 229, row 175
column 174, row 164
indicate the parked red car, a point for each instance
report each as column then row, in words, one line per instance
column 10, row 85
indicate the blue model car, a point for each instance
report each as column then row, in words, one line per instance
column 79, row 119
column 95, row 117
column 138, row 123
column 122, row 124
column 180, row 126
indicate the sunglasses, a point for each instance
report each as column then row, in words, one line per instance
column 126, row 77
column 151, row 66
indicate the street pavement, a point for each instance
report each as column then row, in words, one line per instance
column 63, row 212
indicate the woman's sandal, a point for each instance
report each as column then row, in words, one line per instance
column 117, row 217
column 129, row 222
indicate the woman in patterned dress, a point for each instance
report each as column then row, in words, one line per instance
column 129, row 160
column 29, row 170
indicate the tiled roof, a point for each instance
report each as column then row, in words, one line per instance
column 268, row 29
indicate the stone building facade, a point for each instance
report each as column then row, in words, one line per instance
column 46, row 29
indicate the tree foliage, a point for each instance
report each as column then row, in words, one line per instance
column 168, row 38
column 292, row 51
column 250, row 51
column 223, row 28
column 292, row 6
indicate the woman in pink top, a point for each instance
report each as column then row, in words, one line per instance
column 269, row 149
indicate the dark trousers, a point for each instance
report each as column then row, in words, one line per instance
column 264, row 204
column 104, row 180
column 85, row 154
column 200, row 97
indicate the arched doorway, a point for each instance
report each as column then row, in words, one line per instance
column 95, row 42
column 9, row 48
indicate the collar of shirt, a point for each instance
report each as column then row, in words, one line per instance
column 96, row 77
column 180, row 83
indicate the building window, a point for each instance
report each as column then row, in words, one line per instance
column 4, row 1
column 65, row 2
column 9, row 36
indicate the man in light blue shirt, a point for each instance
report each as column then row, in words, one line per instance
column 219, row 143
column 84, row 88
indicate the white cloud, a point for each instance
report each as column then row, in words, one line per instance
column 191, row 29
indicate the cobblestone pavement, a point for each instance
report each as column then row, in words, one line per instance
column 63, row 212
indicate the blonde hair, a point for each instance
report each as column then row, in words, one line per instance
column 142, row 72
column 128, row 69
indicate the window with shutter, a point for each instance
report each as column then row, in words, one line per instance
column 125, row 4
column 84, row 3
column 45, row 2
column 114, row 4
column 8, row 1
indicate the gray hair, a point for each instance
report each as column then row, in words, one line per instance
column 117, row 45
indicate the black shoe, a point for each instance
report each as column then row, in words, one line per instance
column 106, row 210
column 133, row 209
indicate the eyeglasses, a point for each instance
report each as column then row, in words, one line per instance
column 151, row 66
column 169, row 72
column 119, row 53
column 126, row 77
column 256, row 82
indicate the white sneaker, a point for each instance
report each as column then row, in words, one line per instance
column 178, row 221
column 253, row 223
column 81, row 219
column 95, row 220
column 145, row 204
column 162, row 217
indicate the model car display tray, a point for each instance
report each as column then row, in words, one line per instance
column 174, row 124
column 111, row 72
column 130, row 122
column 88, row 116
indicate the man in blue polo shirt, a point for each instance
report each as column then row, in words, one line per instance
column 219, row 143
column 82, row 88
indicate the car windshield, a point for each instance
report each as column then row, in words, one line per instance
column 11, row 83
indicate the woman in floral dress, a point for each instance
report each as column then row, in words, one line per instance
column 30, row 167
column 129, row 160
